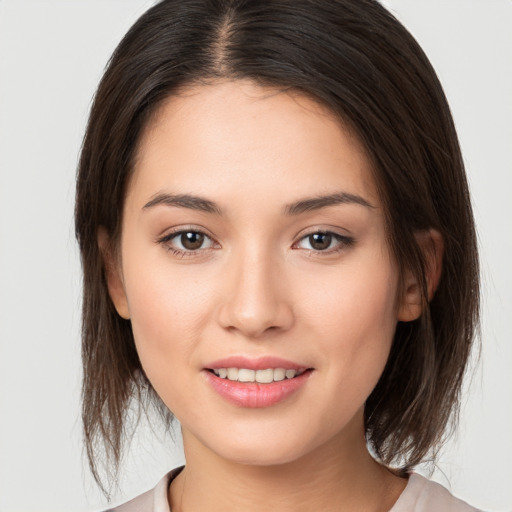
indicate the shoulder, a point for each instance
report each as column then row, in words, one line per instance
column 154, row 500
column 423, row 495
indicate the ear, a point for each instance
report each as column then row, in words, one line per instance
column 113, row 274
column 432, row 246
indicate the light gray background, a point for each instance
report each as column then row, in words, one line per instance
column 51, row 57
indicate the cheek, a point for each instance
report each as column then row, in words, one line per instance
column 168, row 306
column 354, row 319
column 352, row 301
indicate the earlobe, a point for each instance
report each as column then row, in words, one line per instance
column 432, row 246
column 113, row 275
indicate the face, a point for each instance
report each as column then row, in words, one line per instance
column 255, row 271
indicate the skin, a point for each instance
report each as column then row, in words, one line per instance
column 258, row 287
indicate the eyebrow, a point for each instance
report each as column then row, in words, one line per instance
column 184, row 201
column 316, row 203
column 304, row 205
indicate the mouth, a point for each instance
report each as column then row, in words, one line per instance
column 256, row 383
column 264, row 376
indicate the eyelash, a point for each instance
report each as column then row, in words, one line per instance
column 343, row 242
column 165, row 241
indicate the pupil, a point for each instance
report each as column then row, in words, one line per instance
column 192, row 241
column 320, row 241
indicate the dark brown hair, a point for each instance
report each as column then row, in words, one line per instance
column 355, row 58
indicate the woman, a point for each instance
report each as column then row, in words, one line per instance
column 278, row 246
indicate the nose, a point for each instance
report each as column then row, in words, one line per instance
column 256, row 300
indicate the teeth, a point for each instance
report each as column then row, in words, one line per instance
column 265, row 376
column 261, row 376
column 279, row 374
column 232, row 373
column 246, row 375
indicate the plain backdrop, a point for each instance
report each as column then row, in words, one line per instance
column 52, row 54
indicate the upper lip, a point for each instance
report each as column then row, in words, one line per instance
column 257, row 363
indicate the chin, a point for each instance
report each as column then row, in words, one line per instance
column 261, row 450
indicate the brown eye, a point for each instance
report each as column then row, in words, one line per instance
column 320, row 241
column 191, row 240
column 327, row 242
column 187, row 242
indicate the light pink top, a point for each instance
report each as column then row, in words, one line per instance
column 420, row 495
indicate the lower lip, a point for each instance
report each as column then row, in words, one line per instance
column 254, row 394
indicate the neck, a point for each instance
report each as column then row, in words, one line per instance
column 339, row 475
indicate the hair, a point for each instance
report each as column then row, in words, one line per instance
column 355, row 58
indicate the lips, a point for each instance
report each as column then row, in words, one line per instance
column 254, row 383
column 259, row 363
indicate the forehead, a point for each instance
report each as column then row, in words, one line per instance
column 238, row 137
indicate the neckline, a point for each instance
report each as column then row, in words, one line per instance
column 414, row 480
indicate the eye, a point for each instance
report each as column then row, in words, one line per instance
column 186, row 241
column 190, row 240
column 324, row 241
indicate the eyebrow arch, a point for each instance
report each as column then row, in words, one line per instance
column 184, row 201
column 316, row 203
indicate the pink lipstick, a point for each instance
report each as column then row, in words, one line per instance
column 254, row 383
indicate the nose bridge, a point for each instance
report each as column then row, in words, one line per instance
column 255, row 301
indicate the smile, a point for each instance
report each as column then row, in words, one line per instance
column 265, row 376
column 256, row 382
